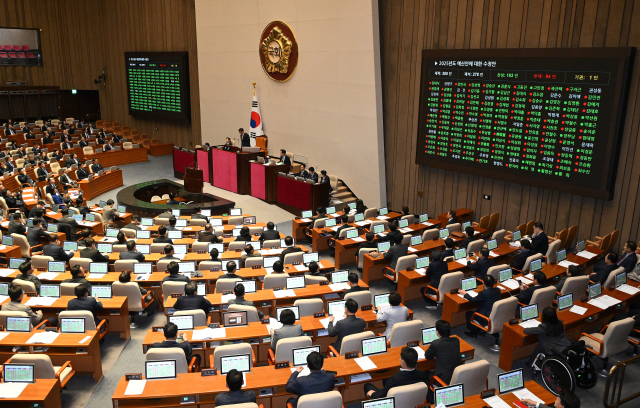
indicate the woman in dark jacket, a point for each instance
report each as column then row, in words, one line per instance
column 550, row 334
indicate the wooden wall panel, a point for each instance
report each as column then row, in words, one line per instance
column 82, row 38
column 409, row 26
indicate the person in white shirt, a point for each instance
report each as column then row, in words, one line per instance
column 393, row 314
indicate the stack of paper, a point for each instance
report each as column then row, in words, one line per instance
column 604, row 302
column 339, row 286
column 6, row 272
column 135, row 387
column 511, row 284
column 276, row 251
column 41, row 301
column 421, row 271
column 382, row 217
column 491, row 253
column 496, row 402
column 526, row 394
column 143, row 227
column 279, row 294
column 306, row 220
column 567, row 264
column 361, row 223
column 335, row 228
column 365, row 363
column 630, row 290
column 209, row 333
column 301, row 268
column 48, row 275
column 420, row 352
column 305, row 372
column 515, row 244
column 3, row 298
column 427, row 223
column 3, row 247
column 462, row 261
column 471, row 293
column 530, row 323
column 12, row 390
column 578, row 310
column 360, row 378
column 586, row 254
column 43, row 338
column 334, row 215
column 227, row 298
column 410, row 249
column 406, row 230
column 274, row 324
column 358, row 239
column 264, row 252
column 3, row 335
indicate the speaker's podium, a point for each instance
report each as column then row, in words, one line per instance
column 193, row 180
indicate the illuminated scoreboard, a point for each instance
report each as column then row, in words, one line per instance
column 549, row 118
column 158, row 85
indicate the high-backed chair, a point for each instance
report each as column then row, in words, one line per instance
column 363, row 297
column 89, row 322
column 127, row 145
column 162, row 265
column 307, row 307
column 360, row 256
column 371, row 226
column 331, row 399
column 474, row 376
column 611, row 279
column 124, row 264
column 352, row 342
column 208, row 265
column 527, row 263
column 136, row 302
column 562, row 236
column 250, row 262
column 173, row 353
column 543, row 297
column 5, row 314
column 198, row 222
column 252, row 312
column 226, row 284
column 475, row 246
column 494, row 271
column 68, row 289
column 25, row 249
column 273, row 280
column 483, row 223
column 552, row 252
column 611, row 340
column 83, row 262
column 448, row 281
column 530, row 226
column 27, row 286
column 233, row 350
column 501, row 312
column 370, row 212
column 271, row 243
column 411, row 395
column 493, row 223
column 233, row 246
column 199, row 318
column 404, row 332
column 576, row 285
column 454, row 227
column 168, row 288
column 404, row 262
column 314, row 280
column 157, row 248
column 430, row 234
column 117, row 248
column 284, row 349
column 499, row 236
column 410, row 217
column 44, row 368
column 128, row 232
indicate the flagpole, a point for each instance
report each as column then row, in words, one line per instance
column 254, row 89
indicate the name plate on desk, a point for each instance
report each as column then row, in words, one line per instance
column 265, row 321
column 133, row 376
column 208, row 372
column 321, row 314
column 157, row 329
column 191, row 399
column 31, row 294
column 202, row 252
column 282, row 364
column 176, row 295
column 324, row 283
column 366, row 307
column 48, row 329
column 350, row 355
column 214, row 325
column 295, row 263
column 275, row 288
column 42, row 269
column 214, row 269
column 226, row 292
column 412, row 344
column 256, row 267
column 238, row 250
column 488, row 393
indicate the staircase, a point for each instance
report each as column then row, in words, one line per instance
column 342, row 196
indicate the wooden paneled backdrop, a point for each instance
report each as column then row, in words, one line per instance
column 409, row 26
column 81, row 38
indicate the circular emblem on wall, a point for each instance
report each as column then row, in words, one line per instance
column 278, row 51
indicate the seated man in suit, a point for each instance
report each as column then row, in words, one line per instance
column 446, row 351
column 54, row 250
column 393, row 235
column 65, row 179
column 96, row 166
column 354, row 281
column 172, row 224
column 174, row 276
column 407, row 375
column 572, row 271
column 102, row 135
column 248, row 253
column 170, row 332
column 197, row 214
column 347, row 324
column 227, row 142
column 316, row 382
column 526, row 291
column 134, row 224
column 24, row 178
column 67, row 144
column 628, row 258
column 566, row 399
column 321, row 213
column 303, row 171
column 16, row 294
column 288, row 241
column 245, row 235
column 238, row 290
column 208, row 235
column 539, row 240
column 449, row 244
column 39, row 206
column 82, row 172
column 324, row 179
column 51, row 186
column 213, row 254
column 395, row 252
column 192, row 301
column 470, row 232
column 436, row 269
column 91, row 252
column 270, row 233
column 231, row 271
column 521, row 259
column 344, row 219
column 47, row 139
column 108, row 147
column 83, row 141
column 610, row 265
column 284, row 159
column 172, row 199
column 392, row 314
column 131, row 252
column 84, row 302
column 26, row 274
column 451, row 217
column 482, row 265
column 485, row 300
column 313, row 175
column 235, row 395
column 84, row 235
column 36, row 233
column 71, row 160
column 368, row 244
column 288, row 329
column 162, row 236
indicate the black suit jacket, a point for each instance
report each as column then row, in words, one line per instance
column 96, row 167
column 208, row 237
column 86, row 303
column 235, row 397
column 67, row 145
column 70, row 162
column 72, row 223
column 313, row 177
column 521, row 259
column 56, row 252
column 162, row 240
column 602, row 275
column 446, row 351
column 34, row 234
column 269, row 235
column 83, row 174
column 16, row 228
column 525, row 296
column 303, row 174
column 185, row 346
column 446, row 253
column 394, row 253
column 93, row 254
column 485, row 300
column 246, row 140
column 540, row 244
column 107, row 147
column 345, row 327
column 25, row 179
column 286, row 160
column 314, row 383
column 289, row 250
column 465, row 242
column 138, row 256
column 47, row 140
column 481, row 266
column 193, row 302
column 628, row 262
column 452, row 221
column 401, row 378
column 435, row 271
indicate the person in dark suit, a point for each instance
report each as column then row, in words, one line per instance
column 539, row 240
column 485, row 300
column 51, row 186
column 344, row 219
column 65, row 179
column 67, row 145
column 197, row 214
column 170, row 332
column 22, row 152
column 91, row 252
column 451, row 217
column 54, row 250
column 235, row 395
column 566, row 399
column 550, row 334
column 102, row 135
column 610, row 265
column 26, row 274
column 172, row 199
column 16, row 226
column 284, row 159
column 78, row 276
column 134, row 224
column 207, row 235
column 288, row 329
column 24, row 178
column 288, row 241
column 36, row 149
column 96, row 166
column 84, row 302
column 572, row 271
column 26, row 129
column 30, row 160
column 82, row 172
column 69, row 221
column 521, row 259
column 369, row 243
column 231, row 271
column 174, row 276
column 313, row 175
column 349, row 324
column 393, row 235
column 449, row 244
column 446, row 351
column 39, row 206
column 83, row 141
column 354, row 281
column 131, row 252
column 42, row 172
column 303, row 171
column 47, row 139
column 44, row 127
column 35, row 233
column 316, row 382
column 9, row 130
column 437, row 268
column 526, row 291
column 108, row 147
column 482, row 265
column 470, row 232
column 324, row 179
column 172, row 224
column 270, row 233
column 628, row 258
column 191, row 300
column 57, row 155
column 169, row 252
column 238, row 290
column 162, row 236
column 396, row 251
column 245, row 235
column 321, row 213
column 71, row 161
column 248, row 253
column 407, row 375
column 244, row 137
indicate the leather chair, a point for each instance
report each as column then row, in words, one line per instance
column 271, row 281
column 168, row 288
column 135, row 301
column 307, row 307
column 124, row 265
column 157, row 248
column 284, row 349
column 89, row 322
column 370, row 212
column 119, row 248
column 293, row 257
column 235, row 220
column 360, row 256
column 128, row 232
column 363, row 297
column 527, row 263
column 68, row 289
column 410, row 217
column 233, row 246
column 197, row 223
column 271, row 243
column 576, row 285
column 352, row 342
column 196, row 246
column 611, row 340
column 252, row 312
column 552, row 252
column 27, row 286
column 161, row 266
column 411, row 395
column 250, row 262
column 474, row 376
column 544, row 297
column 483, row 223
column 501, row 312
column 378, row 222
column 430, row 234
column 25, row 249
column 83, row 262
column 454, row 227
column 44, row 368
column 404, row 262
column 499, row 236
column 199, row 318
column 226, row 284
column 331, row 399
column 475, row 246
column 448, row 281
column 611, row 279
column 208, row 265
column 41, row 261
column 314, row 280
column 404, row 332
column 173, row 353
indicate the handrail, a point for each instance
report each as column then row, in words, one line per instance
column 616, row 374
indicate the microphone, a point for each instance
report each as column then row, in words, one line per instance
column 195, row 162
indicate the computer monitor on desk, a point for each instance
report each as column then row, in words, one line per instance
column 50, row 291
column 387, row 402
column 240, row 362
column 510, row 381
column 235, row 319
column 529, row 312
column 450, row 396
column 294, row 309
column 184, row 322
column 339, row 276
column 160, row 370
column 373, row 346
column 300, row 355
column 18, row 373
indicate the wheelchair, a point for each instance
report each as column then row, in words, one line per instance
column 566, row 370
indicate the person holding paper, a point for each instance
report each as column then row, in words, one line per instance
column 288, row 329
column 16, row 294
column 610, row 265
column 446, row 351
column 393, row 314
column 572, row 271
column 521, row 259
column 482, row 265
column 191, row 300
column 550, row 335
column 26, row 274
column 350, row 324
column 238, row 290
column 354, row 279
column 172, row 339
column 407, row 375
column 316, row 382
column 235, row 394
column 485, row 299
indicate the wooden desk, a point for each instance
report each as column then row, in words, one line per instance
column 121, row 218
column 45, row 392
column 119, row 157
column 263, row 180
column 101, row 184
column 297, row 196
column 539, row 391
column 63, row 349
column 161, row 149
column 462, row 215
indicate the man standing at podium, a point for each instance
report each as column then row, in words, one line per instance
column 244, row 137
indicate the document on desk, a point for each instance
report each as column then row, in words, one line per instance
column 301, row 268
column 12, row 390
column 462, row 261
column 471, row 293
column 306, row 220
column 2, row 247
column 3, row 335
column 358, row 239
column 6, row 272
column 410, row 249
column 496, row 402
column 630, row 290
column 274, row 324
column 339, row 286
column 491, row 253
column 47, row 275
column 209, row 333
column 143, row 227
column 85, row 339
column 43, row 338
column 604, row 300
column 264, row 252
column 586, row 254
column 276, row 251
column 135, row 387
column 3, row 298
column 526, row 394
column 421, row 271
column 427, row 223
column 382, row 217
column 334, row 215
column 530, row 324
column 515, row 244
column 41, row 301
column 305, row 372
column 420, row 352
column 578, row 310
column 567, row 264
column 227, row 298
column 279, row 294
column 334, row 229
column 361, row 223
column 406, row 230
column 365, row 363
column 143, row 277
column 524, row 280
column 360, row 378
column 511, row 284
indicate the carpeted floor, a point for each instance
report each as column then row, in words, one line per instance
column 120, row 358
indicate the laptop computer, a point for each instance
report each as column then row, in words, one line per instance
column 423, row 218
column 255, row 244
column 268, row 261
column 18, row 324
column 294, row 309
column 219, row 247
column 450, row 396
column 90, row 217
column 529, row 312
column 358, row 217
column 565, row 301
column 72, row 325
column 249, row 220
column 295, row 282
column 77, row 217
column 174, row 234
column 310, row 257
column 235, row 211
column 331, row 222
column 105, row 248
column 14, row 263
column 240, row 362
column 459, row 254
column 160, row 370
column 381, row 300
column 443, row 233
column 517, row 236
column 187, row 267
column 50, row 290
column 70, row 246
column 581, row 245
column 307, row 214
column 101, row 291
column 235, row 319
column 143, row 234
column 147, row 222
column 505, row 274
column 102, row 203
column 384, row 246
column 621, row 279
column 383, row 211
column 536, row 265
column 331, row 210
column 52, row 228
column 492, row 244
column 184, row 322
column 18, row 373
column 429, row 335
column 55, row 266
column 422, row 263
column 352, row 233
column 146, row 249
column 111, row 232
column 176, row 213
column 378, row 228
column 249, row 285
column 417, row 240
column 8, row 241
column 403, row 223
column 339, row 276
column 206, row 213
column 469, row 283
column 181, row 222
column 236, row 232
column 387, row 402
column 300, row 355
column 226, row 263
column 142, row 268
column 201, row 289
column 4, row 289
column 510, row 381
column 595, row 290
column 373, row 346
column 561, row 255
